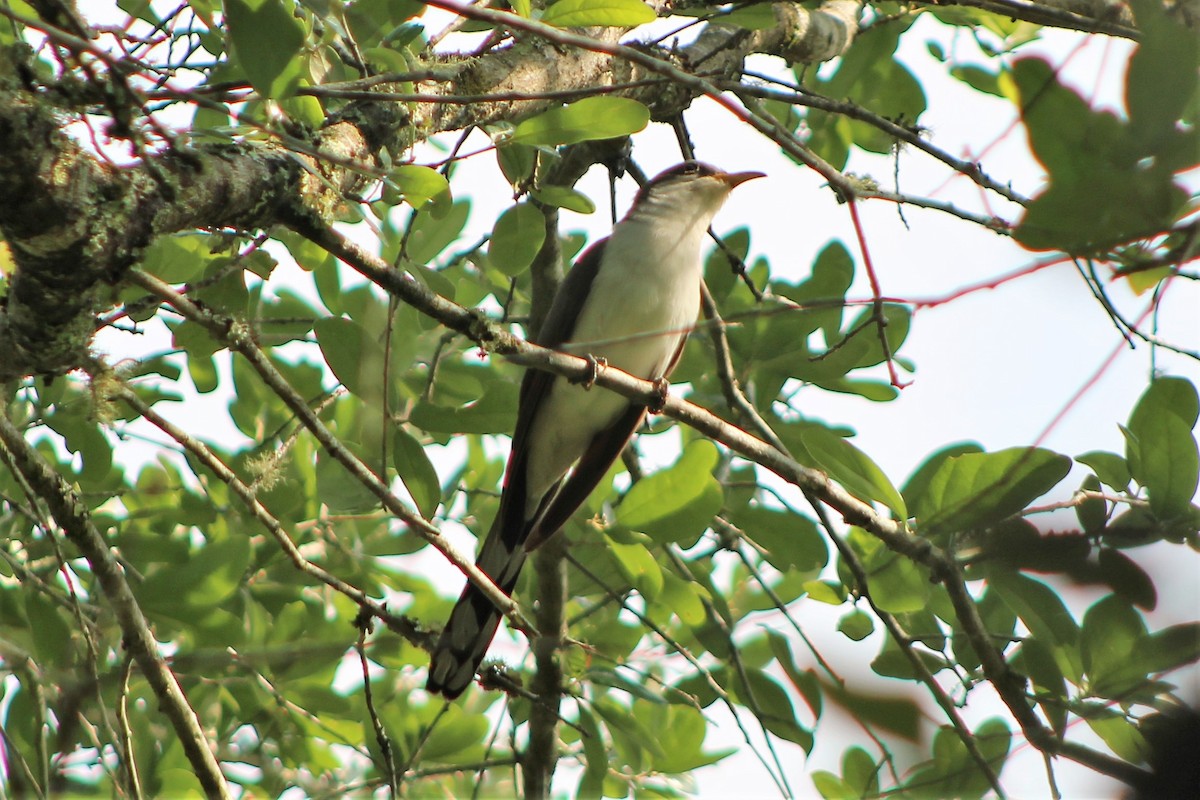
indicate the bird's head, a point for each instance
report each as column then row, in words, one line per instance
column 692, row 185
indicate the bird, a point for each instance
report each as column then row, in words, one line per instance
column 629, row 302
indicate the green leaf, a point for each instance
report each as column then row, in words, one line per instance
column 590, row 118
column 494, row 412
column 682, row 729
column 754, row 17
column 374, row 22
column 789, row 540
column 828, row 592
column 431, row 234
column 893, row 662
column 415, row 184
column 831, row 787
column 1088, row 154
column 1167, row 395
column 1121, row 735
column 915, row 488
column 1110, row 468
column 628, row 732
column 355, row 357
column 417, row 472
column 898, row 585
column 805, row 682
column 455, row 732
column 267, row 39
column 341, row 491
column 177, row 259
column 304, row 109
column 860, row 772
column 995, row 741
column 1173, row 647
column 975, row 490
column 588, row 13
column 1161, row 82
column 516, row 161
column 1111, row 639
column 770, row 703
column 565, row 197
column 48, row 628
column 1035, row 659
column 194, row 339
column 225, row 288
column 206, row 580
column 856, row 625
column 953, row 771
column 1164, row 458
column 516, row 239
column 677, row 503
column 871, row 73
column 1092, row 512
column 595, row 755
column 637, row 565
column 1160, row 446
column 1043, row 612
column 83, row 436
column 978, row 79
column 851, row 467
column 1038, row 606
column 684, row 598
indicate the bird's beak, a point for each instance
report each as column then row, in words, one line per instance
column 733, row 179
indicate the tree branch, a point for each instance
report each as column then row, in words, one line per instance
column 541, row 754
column 853, row 511
column 67, row 244
column 238, row 338
column 201, row 452
column 1074, row 15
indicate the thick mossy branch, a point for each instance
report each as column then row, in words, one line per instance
column 76, row 223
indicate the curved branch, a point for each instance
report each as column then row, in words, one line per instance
column 908, row 135
column 895, row 535
column 238, row 338
column 942, row 566
column 1112, row 19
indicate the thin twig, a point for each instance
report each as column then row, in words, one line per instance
column 209, row 460
column 239, row 339
column 388, row 767
column 679, row 648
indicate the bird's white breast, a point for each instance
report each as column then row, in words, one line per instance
column 643, row 301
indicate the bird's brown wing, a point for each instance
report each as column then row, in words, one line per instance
column 603, row 450
column 473, row 622
column 600, row 455
column 535, row 388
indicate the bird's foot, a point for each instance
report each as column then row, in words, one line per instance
column 595, row 367
column 662, row 390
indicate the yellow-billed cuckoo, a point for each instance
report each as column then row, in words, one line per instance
column 630, row 301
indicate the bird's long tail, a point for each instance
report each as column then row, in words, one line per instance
column 473, row 622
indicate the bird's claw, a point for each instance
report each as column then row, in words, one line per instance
column 662, row 390
column 595, row 367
